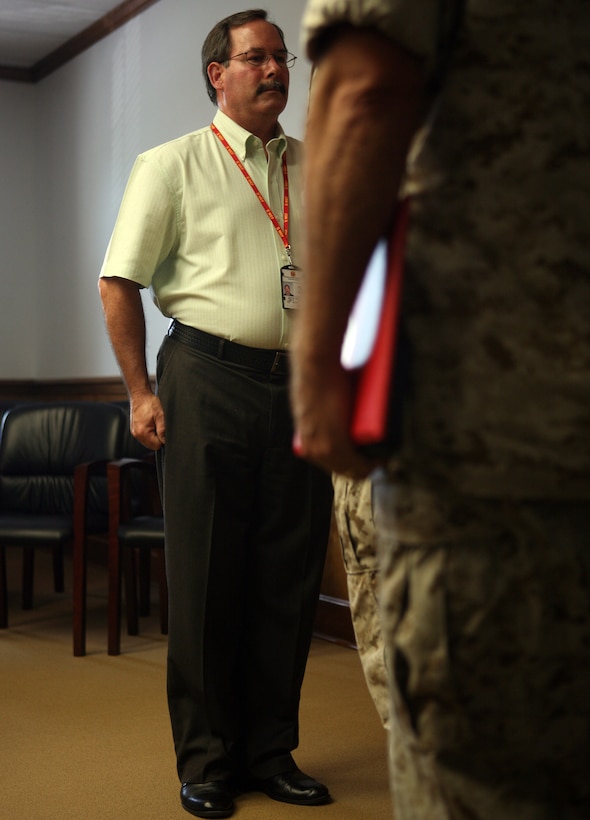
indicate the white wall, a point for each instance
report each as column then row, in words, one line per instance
column 19, row 261
column 66, row 149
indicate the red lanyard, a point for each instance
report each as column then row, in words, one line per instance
column 284, row 231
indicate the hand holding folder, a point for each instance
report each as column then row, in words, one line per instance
column 371, row 346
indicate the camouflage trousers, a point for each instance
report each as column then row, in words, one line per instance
column 354, row 520
column 486, row 620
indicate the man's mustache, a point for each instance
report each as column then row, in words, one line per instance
column 271, row 85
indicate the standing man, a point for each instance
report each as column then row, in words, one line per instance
column 484, row 515
column 211, row 222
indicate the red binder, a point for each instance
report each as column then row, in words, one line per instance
column 375, row 423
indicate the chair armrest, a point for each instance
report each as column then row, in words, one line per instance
column 82, row 475
column 127, row 498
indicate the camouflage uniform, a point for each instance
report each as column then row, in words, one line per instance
column 486, row 619
column 354, row 520
column 485, row 516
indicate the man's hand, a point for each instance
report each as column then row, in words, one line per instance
column 148, row 425
column 367, row 99
column 321, row 398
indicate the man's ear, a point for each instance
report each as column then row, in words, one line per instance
column 215, row 72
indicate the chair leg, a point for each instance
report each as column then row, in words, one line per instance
column 114, row 627
column 144, row 582
column 131, row 592
column 79, row 595
column 3, row 591
column 28, row 573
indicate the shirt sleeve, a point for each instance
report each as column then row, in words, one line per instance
column 412, row 24
column 146, row 228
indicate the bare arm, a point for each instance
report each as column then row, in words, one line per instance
column 365, row 106
column 125, row 321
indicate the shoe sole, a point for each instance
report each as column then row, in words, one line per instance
column 216, row 814
column 313, row 801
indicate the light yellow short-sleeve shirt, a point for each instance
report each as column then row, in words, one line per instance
column 191, row 228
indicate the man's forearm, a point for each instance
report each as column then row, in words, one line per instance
column 364, row 109
column 125, row 322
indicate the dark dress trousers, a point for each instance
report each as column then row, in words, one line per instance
column 247, row 526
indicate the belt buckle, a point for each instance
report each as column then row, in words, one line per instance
column 280, row 356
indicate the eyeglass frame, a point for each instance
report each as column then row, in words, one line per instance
column 289, row 57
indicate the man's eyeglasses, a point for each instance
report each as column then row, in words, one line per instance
column 258, row 57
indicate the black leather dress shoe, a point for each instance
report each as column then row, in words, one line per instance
column 295, row 787
column 212, row 799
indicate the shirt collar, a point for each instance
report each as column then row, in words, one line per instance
column 243, row 141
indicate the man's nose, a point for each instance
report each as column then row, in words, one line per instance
column 272, row 64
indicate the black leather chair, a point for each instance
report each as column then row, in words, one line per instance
column 53, row 489
column 136, row 529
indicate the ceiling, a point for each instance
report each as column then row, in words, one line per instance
column 31, row 30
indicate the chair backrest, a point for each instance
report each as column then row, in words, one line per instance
column 6, row 405
column 40, row 447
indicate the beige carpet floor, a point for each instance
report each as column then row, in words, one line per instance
column 89, row 739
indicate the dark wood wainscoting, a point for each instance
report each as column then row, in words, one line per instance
column 333, row 620
column 106, row 389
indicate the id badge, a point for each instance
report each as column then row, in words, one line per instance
column 291, row 285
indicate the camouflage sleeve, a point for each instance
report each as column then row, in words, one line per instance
column 415, row 25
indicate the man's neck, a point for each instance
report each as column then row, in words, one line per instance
column 262, row 128
column 264, row 132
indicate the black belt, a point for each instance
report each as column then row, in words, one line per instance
column 269, row 362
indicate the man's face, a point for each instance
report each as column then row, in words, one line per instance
column 245, row 91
